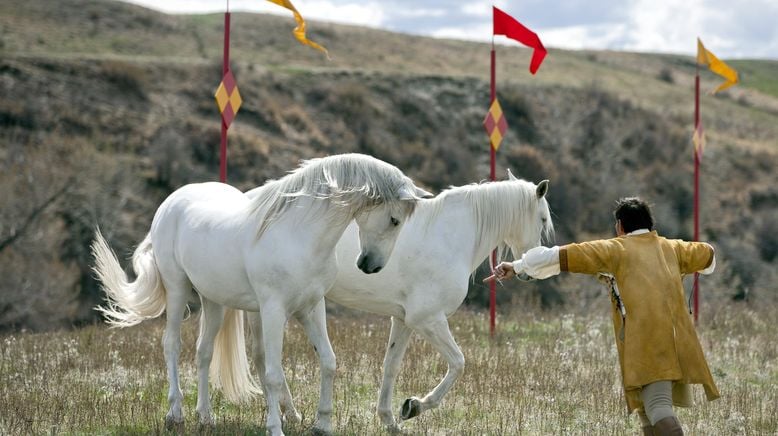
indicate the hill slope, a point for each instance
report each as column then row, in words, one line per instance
column 107, row 107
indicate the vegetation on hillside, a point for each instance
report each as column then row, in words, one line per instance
column 106, row 108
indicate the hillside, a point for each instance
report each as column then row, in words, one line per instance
column 107, row 107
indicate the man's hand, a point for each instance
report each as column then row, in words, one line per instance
column 503, row 271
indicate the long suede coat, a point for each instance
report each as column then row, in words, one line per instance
column 657, row 340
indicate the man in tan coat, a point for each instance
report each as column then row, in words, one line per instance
column 659, row 353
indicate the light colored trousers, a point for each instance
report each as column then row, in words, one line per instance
column 657, row 402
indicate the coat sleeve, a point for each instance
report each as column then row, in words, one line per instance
column 693, row 256
column 590, row 257
column 539, row 262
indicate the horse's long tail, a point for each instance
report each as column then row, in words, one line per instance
column 129, row 303
column 230, row 370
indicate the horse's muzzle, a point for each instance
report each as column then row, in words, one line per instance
column 365, row 264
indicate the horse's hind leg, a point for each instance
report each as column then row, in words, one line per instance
column 258, row 356
column 315, row 324
column 395, row 350
column 178, row 289
column 437, row 332
column 212, row 317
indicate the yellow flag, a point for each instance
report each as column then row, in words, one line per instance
column 705, row 57
column 299, row 31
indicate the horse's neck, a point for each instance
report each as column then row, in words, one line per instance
column 483, row 246
column 319, row 224
column 469, row 239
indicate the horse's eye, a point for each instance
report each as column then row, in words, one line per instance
column 544, row 219
column 395, row 221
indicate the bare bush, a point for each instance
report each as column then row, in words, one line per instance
column 666, row 75
column 768, row 239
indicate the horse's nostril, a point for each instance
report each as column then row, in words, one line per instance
column 376, row 269
column 365, row 264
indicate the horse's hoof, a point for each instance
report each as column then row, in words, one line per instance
column 173, row 423
column 293, row 417
column 411, row 408
column 206, row 424
column 320, row 432
column 393, row 429
column 206, row 429
column 274, row 432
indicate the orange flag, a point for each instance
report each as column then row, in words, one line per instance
column 705, row 57
column 299, row 31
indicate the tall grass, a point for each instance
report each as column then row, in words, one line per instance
column 543, row 373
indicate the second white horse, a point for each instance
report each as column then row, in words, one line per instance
column 426, row 279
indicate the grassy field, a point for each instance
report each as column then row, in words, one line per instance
column 543, row 373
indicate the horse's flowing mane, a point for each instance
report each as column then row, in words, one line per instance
column 353, row 181
column 496, row 206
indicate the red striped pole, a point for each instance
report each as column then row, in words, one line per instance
column 696, row 286
column 225, row 67
column 492, row 284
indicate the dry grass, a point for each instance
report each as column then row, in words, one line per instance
column 542, row 374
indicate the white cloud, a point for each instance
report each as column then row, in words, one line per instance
column 205, row 6
column 664, row 25
column 482, row 8
column 746, row 28
column 366, row 14
column 475, row 32
column 604, row 36
column 420, row 13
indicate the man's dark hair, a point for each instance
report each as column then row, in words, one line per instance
column 634, row 214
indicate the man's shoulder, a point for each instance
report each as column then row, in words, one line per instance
column 682, row 244
column 597, row 243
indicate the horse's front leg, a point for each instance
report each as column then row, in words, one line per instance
column 315, row 325
column 395, row 350
column 258, row 356
column 211, row 319
column 273, row 323
column 437, row 332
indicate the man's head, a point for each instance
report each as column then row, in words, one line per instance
column 633, row 213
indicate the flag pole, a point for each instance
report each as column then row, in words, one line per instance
column 225, row 68
column 492, row 284
column 696, row 285
column 496, row 126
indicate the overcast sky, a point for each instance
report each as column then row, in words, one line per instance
column 728, row 28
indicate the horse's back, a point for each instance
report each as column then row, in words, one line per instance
column 204, row 195
column 198, row 203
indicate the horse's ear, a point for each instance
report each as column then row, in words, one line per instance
column 422, row 193
column 542, row 189
column 511, row 177
column 413, row 193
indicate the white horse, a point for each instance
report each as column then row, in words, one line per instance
column 272, row 254
column 427, row 278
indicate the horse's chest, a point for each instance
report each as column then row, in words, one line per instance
column 297, row 287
